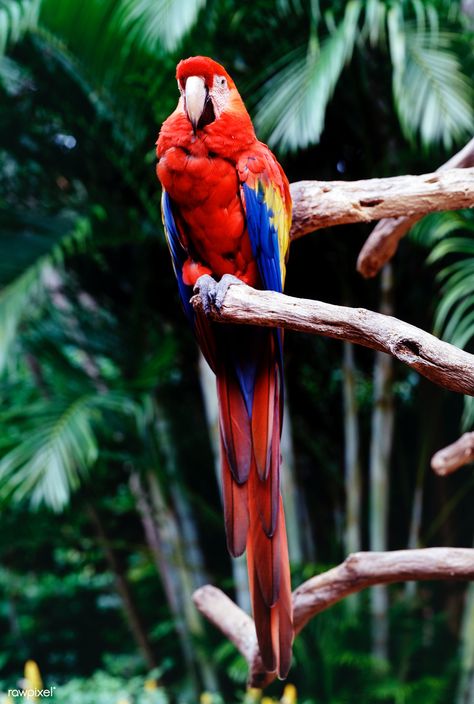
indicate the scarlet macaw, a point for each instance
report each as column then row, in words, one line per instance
column 227, row 211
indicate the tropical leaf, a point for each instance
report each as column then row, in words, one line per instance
column 434, row 227
column 53, row 456
column 16, row 18
column 454, row 316
column 374, row 27
column 160, row 24
column 25, row 276
column 57, row 448
column 291, row 112
column 433, row 97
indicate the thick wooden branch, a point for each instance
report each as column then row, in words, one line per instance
column 454, row 456
column 382, row 242
column 357, row 572
column 318, row 204
column 439, row 361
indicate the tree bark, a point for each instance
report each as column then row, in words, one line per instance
column 382, row 242
column 352, row 469
column 454, row 456
column 191, row 546
column 439, row 361
column 379, row 471
column 161, row 547
column 466, row 682
column 318, row 204
column 179, row 551
column 290, row 491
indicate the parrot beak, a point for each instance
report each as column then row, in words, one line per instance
column 195, row 97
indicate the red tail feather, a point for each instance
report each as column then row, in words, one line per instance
column 253, row 507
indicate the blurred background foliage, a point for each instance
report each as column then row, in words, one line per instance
column 110, row 513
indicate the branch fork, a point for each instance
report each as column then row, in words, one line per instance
column 359, row 571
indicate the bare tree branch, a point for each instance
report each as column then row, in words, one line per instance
column 439, row 361
column 382, row 242
column 454, row 456
column 318, row 204
column 359, row 571
column 224, row 614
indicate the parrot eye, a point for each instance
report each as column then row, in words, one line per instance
column 222, row 81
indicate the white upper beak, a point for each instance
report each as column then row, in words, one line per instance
column 195, row 98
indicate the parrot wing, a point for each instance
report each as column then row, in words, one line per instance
column 267, row 203
column 178, row 254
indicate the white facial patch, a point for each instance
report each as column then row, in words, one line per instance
column 220, row 94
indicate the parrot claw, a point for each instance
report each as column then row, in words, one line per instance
column 222, row 287
column 206, row 287
column 212, row 292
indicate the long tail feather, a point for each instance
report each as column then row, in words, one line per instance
column 236, row 513
column 254, row 518
column 268, row 560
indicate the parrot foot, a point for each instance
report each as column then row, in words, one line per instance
column 212, row 292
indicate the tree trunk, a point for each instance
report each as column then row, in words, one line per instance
column 300, row 541
column 134, row 620
column 352, row 470
column 159, row 537
column 193, row 554
column 428, row 426
column 186, row 577
column 380, row 451
column 466, row 683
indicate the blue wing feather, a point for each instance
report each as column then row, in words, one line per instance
column 265, row 246
column 178, row 255
column 264, row 238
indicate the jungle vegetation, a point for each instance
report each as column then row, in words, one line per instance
column 110, row 512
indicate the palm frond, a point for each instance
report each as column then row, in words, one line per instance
column 159, row 23
column 58, row 447
column 374, row 27
column 434, row 227
column 24, row 292
column 433, row 97
column 48, row 464
column 454, row 316
column 290, row 115
column 17, row 17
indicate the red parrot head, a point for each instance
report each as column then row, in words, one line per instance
column 206, row 88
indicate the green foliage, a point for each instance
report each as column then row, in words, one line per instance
column 55, row 447
column 20, row 296
column 16, row 18
column 103, row 688
column 93, row 347
column 432, row 94
column 157, row 25
column 292, row 109
column 447, row 236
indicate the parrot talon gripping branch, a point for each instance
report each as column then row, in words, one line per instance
column 212, row 293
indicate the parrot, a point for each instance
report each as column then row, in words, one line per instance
column 226, row 209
